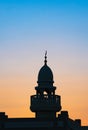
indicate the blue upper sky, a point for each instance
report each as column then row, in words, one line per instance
column 29, row 27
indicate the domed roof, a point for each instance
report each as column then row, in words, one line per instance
column 45, row 75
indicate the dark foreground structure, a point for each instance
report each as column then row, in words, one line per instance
column 45, row 104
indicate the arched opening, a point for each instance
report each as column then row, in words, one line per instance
column 45, row 94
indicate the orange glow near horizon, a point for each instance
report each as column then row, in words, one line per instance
column 15, row 95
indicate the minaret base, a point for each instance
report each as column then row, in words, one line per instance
column 46, row 115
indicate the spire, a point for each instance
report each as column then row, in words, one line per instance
column 45, row 61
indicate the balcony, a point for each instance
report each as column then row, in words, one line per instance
column 45, row 103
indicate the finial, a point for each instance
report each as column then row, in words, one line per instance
column 45, row 58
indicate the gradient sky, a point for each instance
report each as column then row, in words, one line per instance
column 27, row 29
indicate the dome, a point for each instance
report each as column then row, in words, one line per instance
column 45, row 76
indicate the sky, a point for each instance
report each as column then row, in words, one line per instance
column 27, row 29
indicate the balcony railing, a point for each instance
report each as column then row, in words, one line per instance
column 45, row 100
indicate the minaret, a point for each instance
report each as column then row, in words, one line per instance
column 45, row 103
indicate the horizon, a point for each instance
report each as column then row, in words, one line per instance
column 27, row 29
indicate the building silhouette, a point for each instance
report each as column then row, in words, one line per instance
column 45, row 104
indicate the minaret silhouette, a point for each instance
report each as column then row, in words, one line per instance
column 45, row 103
